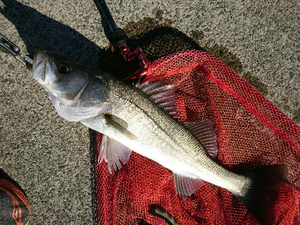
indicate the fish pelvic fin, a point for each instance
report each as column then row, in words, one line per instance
column 113, row 152
column 261, row 193
column 185, row 186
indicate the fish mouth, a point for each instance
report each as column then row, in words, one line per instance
column 39, row 65
column 39, row 57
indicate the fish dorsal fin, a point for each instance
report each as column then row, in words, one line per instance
column 163, row 95
column 185, row 186
column 113, row 152
column 205, row 133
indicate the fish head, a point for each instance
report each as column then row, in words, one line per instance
column 58, row 74
column 72, row 88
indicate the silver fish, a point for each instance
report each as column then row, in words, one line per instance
column 139, row 118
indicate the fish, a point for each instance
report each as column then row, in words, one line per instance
column 142, row 118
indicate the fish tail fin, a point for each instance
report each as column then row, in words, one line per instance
column 260, row 194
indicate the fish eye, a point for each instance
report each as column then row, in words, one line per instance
column 64, row 68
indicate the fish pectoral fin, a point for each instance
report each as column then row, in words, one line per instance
column 115, row 127
column 117, row 120
column 113, row 152
column 204, row 132
column 185, row 186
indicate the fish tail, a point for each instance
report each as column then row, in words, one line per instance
column 260, row 194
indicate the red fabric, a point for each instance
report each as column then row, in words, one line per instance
column 251, row 133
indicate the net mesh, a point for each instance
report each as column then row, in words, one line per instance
column 251, row 133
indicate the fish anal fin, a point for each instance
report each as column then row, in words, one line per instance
column 113, row 152
column 185, row 186
column 205, row 133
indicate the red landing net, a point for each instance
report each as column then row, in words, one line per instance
column 251, row 133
